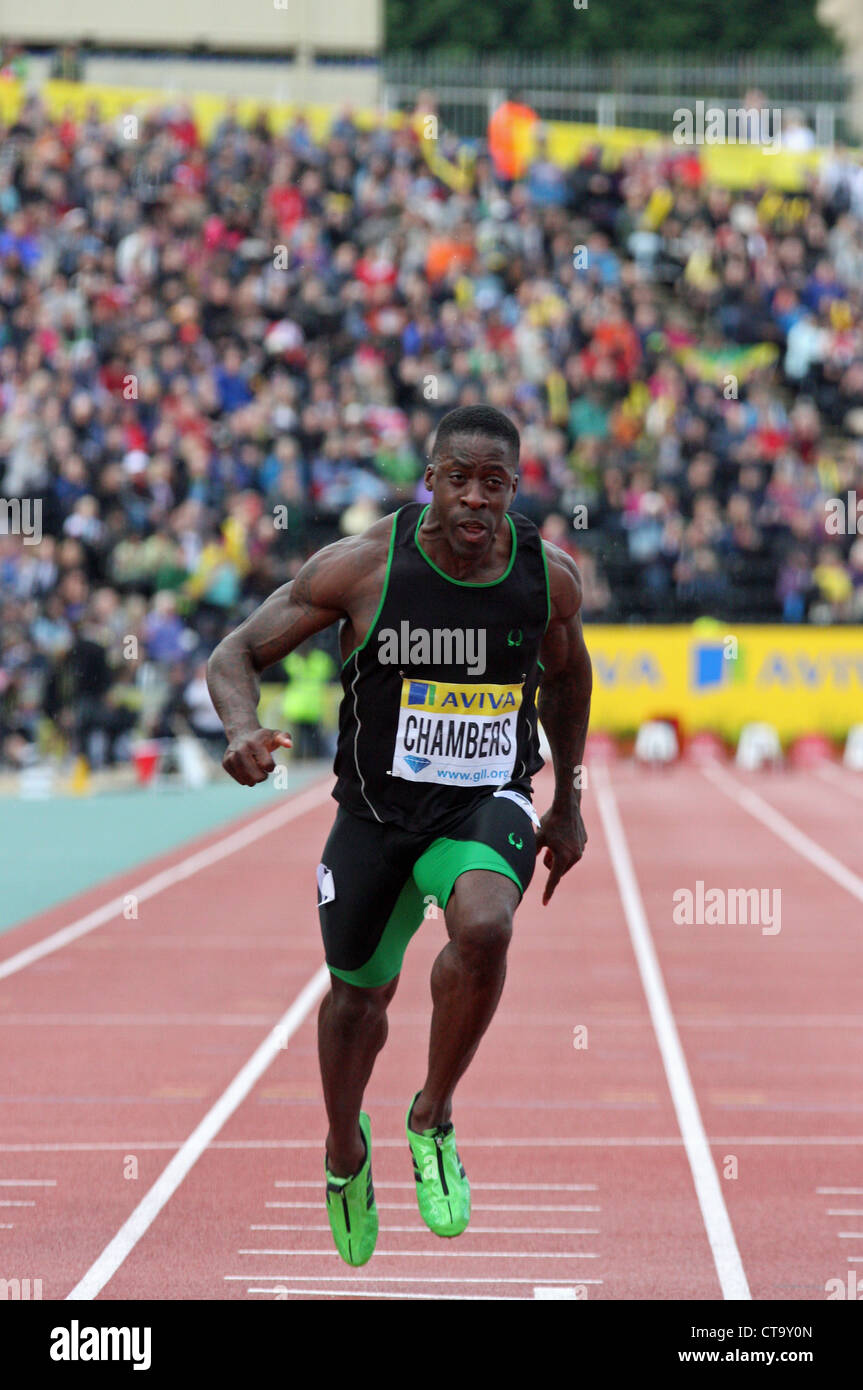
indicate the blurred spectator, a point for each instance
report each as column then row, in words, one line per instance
column 310, row 670
column 66, row 65
column 218, row 355
column 509, row 133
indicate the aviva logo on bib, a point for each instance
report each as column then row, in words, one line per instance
column 444, row 698
column 456, row 735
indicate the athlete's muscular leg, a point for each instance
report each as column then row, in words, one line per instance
column 466, row 983
column 352, row 1029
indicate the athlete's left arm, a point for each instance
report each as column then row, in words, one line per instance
column 564, row 709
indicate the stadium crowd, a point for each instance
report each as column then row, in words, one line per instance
column 217, row 356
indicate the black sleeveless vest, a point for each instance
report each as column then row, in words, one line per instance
column 439, row 700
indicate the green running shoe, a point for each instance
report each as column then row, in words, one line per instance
column 351, row 1207
column 443, row 1191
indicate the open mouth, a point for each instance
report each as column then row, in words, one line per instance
column 472, row 528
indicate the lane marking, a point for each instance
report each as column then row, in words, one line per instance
column 17, row 1204
column 474, row 1187
column 441, row 1254
column 844, row 1211
column 774, row 1021
column 404, row 1279
column 137, row 1020
column 411, row 1206
column 28, row 1182
column 850, row 1235
column 559, row 1291
column 839, row 1191
column 475, row 1230
column 720, row 1233
column 370, row 1293
column 830, row 774
column 239, row 839
column 783, row 829
column 611, row 1141
column 107, row 1264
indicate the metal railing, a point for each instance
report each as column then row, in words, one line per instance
column 628, row 90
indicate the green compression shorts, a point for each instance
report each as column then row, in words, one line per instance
column 377, row 883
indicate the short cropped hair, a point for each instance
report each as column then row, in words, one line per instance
column 477, row 419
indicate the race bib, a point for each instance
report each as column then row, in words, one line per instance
column 456, row 735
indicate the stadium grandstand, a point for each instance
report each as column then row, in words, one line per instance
column 685, row 363
column 250, row 259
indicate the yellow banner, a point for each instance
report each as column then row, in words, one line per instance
column 735, row 166
column 709, row 676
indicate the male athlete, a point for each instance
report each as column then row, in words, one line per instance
column 453, row 615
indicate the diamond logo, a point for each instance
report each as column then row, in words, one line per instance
column 417, row 764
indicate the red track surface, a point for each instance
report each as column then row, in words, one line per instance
column 124, row 1039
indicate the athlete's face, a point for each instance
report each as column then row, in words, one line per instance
column 473, row 479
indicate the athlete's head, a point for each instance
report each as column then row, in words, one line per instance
column 473, row 475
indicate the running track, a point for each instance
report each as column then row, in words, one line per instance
column 162, row 1124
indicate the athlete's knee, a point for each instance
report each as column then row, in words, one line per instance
column 353, row 1006
column 482, row 936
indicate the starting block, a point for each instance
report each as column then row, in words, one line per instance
column 757, row 747
column 656, row 743
column 853, row 755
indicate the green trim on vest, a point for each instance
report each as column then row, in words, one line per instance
column 465, row 583
column 380, row 606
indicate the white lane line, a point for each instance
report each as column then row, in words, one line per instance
column 557, row 1292
column 7, row 1226
column 844, row 1211
column 839, row 1191
column 193, row 864
column 850, row 1235
column 800, row 1021
column 784, row 830
column 828, row 773
column 474, row 1187
column 411, row 1206
column 475, row 1230
column 17, row 1204
column 444, row 1254
column 136, row 1020
column 720, row 1233
column 611, row 1141
column 855, row 1259
column 107, row 1264
column 371, row 1293
column 404, row 1279
column 28, row 1182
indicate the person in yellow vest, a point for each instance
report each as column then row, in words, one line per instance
column 304, row 703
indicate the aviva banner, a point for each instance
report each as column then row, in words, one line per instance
column 711, row 676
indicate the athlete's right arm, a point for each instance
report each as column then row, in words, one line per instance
column 329, row 586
